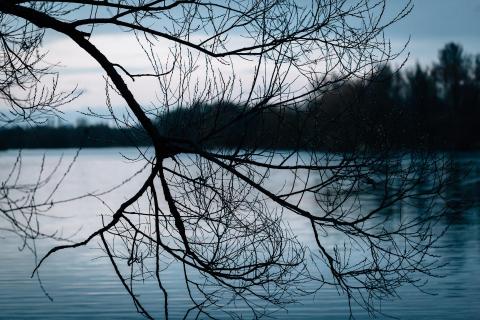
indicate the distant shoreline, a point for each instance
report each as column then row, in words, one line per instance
column 103, row 136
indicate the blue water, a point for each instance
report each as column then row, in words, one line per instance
column 82, row 284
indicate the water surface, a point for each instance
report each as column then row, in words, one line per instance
column 82, row 284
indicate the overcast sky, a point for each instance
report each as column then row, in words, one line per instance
column 431, row 24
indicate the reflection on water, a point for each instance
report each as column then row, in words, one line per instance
column 82, row 284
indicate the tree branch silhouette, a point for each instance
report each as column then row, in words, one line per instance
column 215, row 211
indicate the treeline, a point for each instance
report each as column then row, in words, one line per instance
column 85, row 136
column 433, row 107
column 437, row 107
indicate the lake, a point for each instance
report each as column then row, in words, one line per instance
column 82, row 285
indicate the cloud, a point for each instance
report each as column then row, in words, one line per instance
column 77, row 68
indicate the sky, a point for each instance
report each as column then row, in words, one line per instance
column 430, row 25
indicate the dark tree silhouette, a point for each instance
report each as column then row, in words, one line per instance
column 212, row 210
column 422, row 92
column 477, row 69
column 452, row 71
